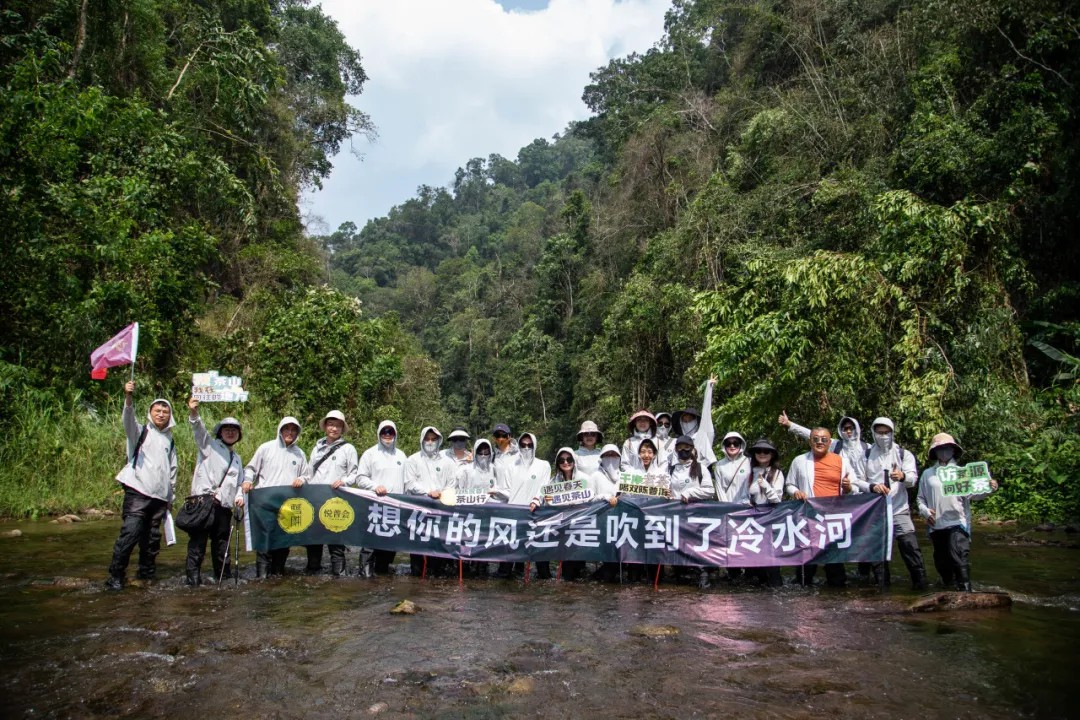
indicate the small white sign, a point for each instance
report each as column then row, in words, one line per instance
column 211, row 387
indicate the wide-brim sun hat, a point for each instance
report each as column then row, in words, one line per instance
column 589, row 427
column 942, row 439
column 334, row 415
column 641, row 414
column 459, row 433
column 763, row 444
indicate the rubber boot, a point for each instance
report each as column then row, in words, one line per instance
column 337, row 567
column 192, row 579
column 114, row 583
column 918, row 582
column 703, row 579
column 262, row 568
column 367, row 565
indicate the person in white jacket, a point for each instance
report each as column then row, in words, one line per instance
column 641, row 425
column 149, row 481
column 891, row 470
column 333, row 461
column 848, row 442
column 665, row 438
column 820, row 473
column 428, row 472
column 218, row 470
column 477, row 477
column 458, row 452
column 699, row 426
column 605, row 482
column 766, row 488
column 731, row 473
column 382, row 469
column 948, row 516
column 689, row 482
column 276, row 463
column 518, row 482
column 588, row 452
column 566, row 471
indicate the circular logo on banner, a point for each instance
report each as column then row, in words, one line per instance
column 336, row 514
column 295, row 515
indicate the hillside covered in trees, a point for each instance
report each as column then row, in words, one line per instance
column 836, row 207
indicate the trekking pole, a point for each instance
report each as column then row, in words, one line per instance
column 225, row 560
column 236, row 555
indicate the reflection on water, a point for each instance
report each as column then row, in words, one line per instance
column 319, row 647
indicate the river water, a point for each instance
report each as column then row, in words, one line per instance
column 318, row 647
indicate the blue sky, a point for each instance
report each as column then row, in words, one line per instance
column 453, row 80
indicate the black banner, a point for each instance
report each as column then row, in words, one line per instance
column 855, row 528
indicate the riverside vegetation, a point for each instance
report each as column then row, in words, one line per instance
column 838, row 208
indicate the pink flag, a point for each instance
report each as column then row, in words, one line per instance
column 120, row 350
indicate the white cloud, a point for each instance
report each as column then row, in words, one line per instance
column 456, row 79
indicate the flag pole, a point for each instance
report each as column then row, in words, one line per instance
column 134, row 350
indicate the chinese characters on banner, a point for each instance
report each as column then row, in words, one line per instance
column 640, row 529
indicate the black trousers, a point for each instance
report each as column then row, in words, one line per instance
column 314, row 558
column 142, row 516
column 272, row 562
column 835, row 575
column 382, row 560
column 218, row 535
column 952, row 547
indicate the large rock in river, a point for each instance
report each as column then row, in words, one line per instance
column 961, row 601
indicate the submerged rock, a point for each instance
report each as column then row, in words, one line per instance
column 11, row 533
column 65, row 519
column 654, row 631
column 961, row 601
column 377, row 708
column 405, row 607
column 521, row 686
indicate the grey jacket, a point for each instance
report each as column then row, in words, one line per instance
column 218, row 469
column 274, row 463
column 341, row 465
column 154, row 472
column 425, row 472
column 382, row 465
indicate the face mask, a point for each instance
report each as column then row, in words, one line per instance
column 431, row 446
column 848, row 433
column 884, row 442
column 689, row 426
column 944, row 454
column 641, row 434
column 609, row 463
column 662, row 432
column 483, row 461
column 388, row 442
column 458, row 444
column 684, row 453
column 527, row 454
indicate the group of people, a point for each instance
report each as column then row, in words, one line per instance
column 675, row 450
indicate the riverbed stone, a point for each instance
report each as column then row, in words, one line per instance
column 654, row 631
column 377, row 708
column 521, row 686
column 11, row 533
column 961, row 601
column 405, row 607
column 67, row 519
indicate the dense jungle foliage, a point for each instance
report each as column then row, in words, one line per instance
column 836, row 207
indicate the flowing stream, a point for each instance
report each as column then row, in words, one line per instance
column 319, row 647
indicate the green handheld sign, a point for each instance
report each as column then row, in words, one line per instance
column 963, row 480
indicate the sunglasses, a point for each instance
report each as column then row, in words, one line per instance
column 732, row 443
column 526, row 446
column 501, row 435
column 663, row 423
column 761, row 451
column 566, row 460
column 820, row 440
column 387, row 433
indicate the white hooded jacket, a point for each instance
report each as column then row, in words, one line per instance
column 382, row 465
column 425, row 472
column 881, row 462
column 519, row 482
column 274, row 463
column 731, row 478
column 558, row 477
column 470, row 475
column 218, row 469
column 153, row 472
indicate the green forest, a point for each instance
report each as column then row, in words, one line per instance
column 836, row 207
